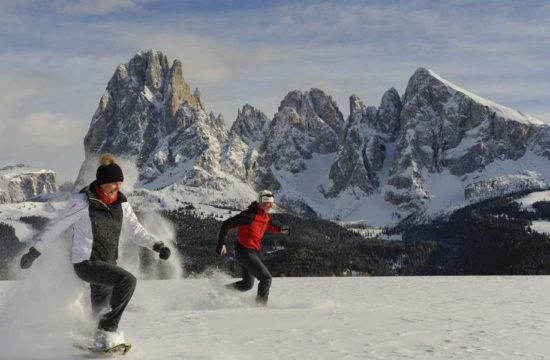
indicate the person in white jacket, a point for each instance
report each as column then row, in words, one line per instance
column 97, row 215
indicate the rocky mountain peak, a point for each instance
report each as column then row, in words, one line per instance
column 178, row 93
column 313, row 106
column 306, row 124
column 146, row 68
column 325, row 107
column 146, row 113
column 252, row 125
column 388, row 114
column 156, row 67
column 355, row 105
column 444, row 127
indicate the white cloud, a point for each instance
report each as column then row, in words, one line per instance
column 46, row 140
column 44, row 130
column 18, row 88
column 17, row 94
column 98, row 7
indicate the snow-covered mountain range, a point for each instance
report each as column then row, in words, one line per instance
column 435, row 147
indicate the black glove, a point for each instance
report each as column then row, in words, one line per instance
column 29, row 257
column 285, row 230
column 163, row 250
column 221, row 249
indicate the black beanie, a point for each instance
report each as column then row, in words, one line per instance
column 108, row 174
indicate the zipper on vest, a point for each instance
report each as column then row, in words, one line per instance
column 101, row 202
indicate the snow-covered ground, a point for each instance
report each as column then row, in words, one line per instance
column 527, row 202
column 307, row 318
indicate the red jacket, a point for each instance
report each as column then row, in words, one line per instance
column 252, row 224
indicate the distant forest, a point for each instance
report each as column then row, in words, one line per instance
column 9, row 248
column 490, row 238
column 313, row 248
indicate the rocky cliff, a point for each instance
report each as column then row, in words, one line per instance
column 23, row 183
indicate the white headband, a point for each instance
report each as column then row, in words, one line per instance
column 266, row 196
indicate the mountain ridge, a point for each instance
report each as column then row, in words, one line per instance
column 380, row 163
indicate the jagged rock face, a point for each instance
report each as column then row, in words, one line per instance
column 252, row 125
column 364, row 144
column 306, row 123
column 540, row 141
column 149, row 114
column 445, row 127
column 352, row 166
column 387, row 120
column 22, row 183
column 496, row 138
column 239, row 159
column 177, row 92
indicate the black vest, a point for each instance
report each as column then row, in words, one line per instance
column 106, row 225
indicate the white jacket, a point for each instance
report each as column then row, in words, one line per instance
column 76, row 214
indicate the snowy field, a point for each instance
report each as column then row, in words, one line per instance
column 307, row 318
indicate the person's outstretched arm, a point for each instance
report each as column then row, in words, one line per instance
column 142, row 237
column 276, row 229
column 68, row 216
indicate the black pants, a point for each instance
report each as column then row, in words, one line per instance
column 252, row 265
column 109, row 284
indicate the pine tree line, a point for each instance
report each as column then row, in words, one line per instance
column 489, row 238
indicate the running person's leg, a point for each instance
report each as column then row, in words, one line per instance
column 250, row 260
column 100, row 297
column 123, row 283
column 246, row 283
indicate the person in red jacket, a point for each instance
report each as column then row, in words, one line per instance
column 251, row 225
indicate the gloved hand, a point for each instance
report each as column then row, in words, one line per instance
column 163, row 250
column 285, row 230
column 221, row 249
column 28, row 258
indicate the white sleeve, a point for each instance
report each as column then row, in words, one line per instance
column 138, row 233
column 69, row 215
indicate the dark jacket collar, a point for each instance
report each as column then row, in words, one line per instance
column 256, row 209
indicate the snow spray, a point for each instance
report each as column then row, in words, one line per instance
column 45, row 307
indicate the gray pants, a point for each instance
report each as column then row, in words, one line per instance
column 109, row 284
column 252, row 266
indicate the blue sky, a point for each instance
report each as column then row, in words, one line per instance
column 57, row 57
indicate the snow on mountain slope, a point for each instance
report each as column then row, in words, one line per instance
column 10, row 214
column 442, row 318
column 447, row 129
column 502, row 110
column 528, row 201
column 209, row 200
column 541, row 226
